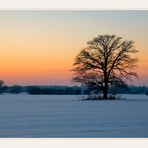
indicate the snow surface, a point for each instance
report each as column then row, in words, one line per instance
column 56, row 116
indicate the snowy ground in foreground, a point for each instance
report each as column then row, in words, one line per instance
column 66, row 116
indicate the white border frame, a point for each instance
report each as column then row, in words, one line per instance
column 74, row 5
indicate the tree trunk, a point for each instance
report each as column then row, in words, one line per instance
column 105, row 91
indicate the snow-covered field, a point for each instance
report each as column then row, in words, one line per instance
column 66, row 116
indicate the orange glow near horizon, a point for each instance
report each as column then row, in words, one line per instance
column 33, row 70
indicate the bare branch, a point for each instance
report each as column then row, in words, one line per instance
column 106, row 61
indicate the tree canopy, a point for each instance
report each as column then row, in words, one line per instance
column 108, row 60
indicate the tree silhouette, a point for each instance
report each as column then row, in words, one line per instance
column 15, row 89
column 3, row 87
column 108, row 60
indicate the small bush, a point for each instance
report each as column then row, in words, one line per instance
column 100, row 97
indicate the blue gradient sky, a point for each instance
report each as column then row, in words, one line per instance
column 38, row 47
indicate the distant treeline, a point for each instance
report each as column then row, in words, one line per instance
column 67, row 90
column 54, row 90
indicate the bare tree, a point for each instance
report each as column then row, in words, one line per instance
column 108, row 60
column 3, row 87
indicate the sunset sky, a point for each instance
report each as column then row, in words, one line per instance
column 39, row 47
